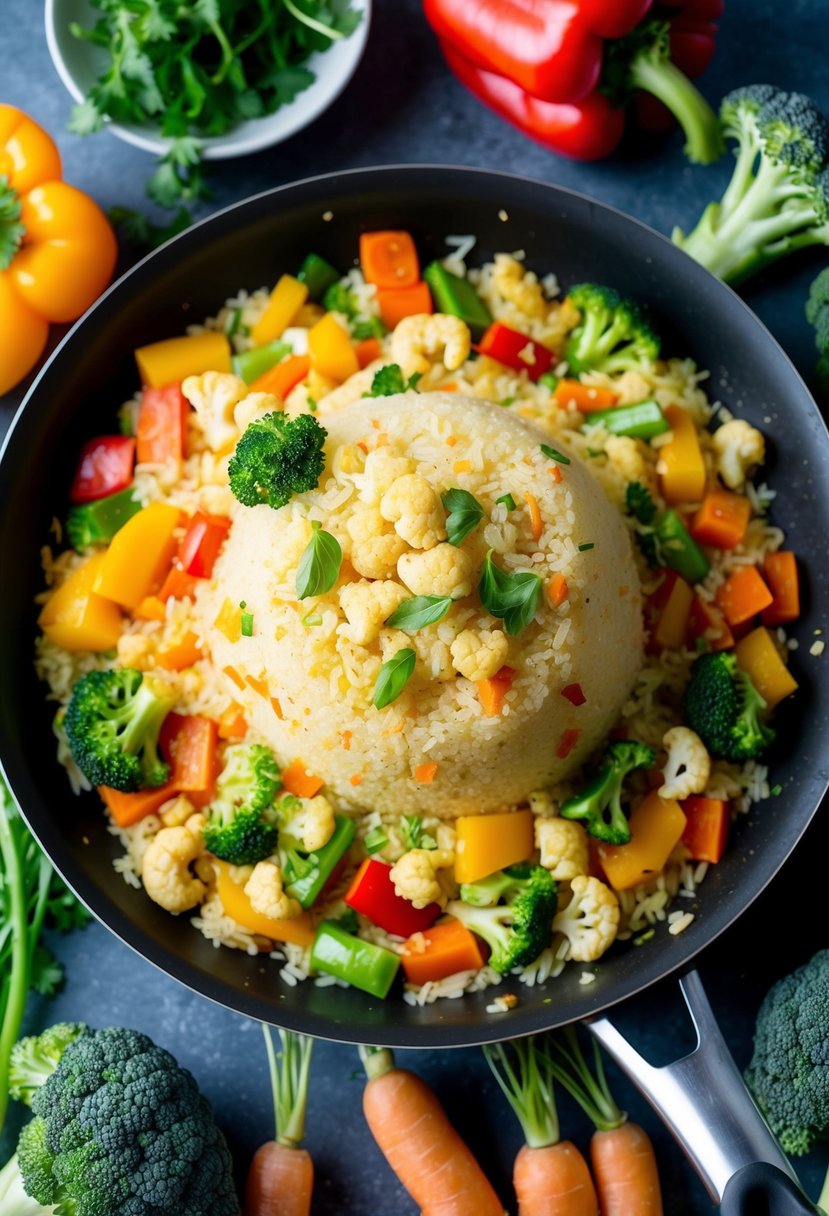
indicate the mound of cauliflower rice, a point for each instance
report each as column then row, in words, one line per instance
column 425, row 702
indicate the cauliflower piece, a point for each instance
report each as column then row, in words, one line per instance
column 367, row 605
column 214, row 396
column 374, row 550
column 252, row 407
column 294, row 542
column 632, row 387
column 739, row 448
column 165, row 868
column 444, row 570
column 563, row 845
column 382, row 469
column 627, row 459
column 311, row 822
column 590, row 921
column 136, row 650
column 478, row 654
column 348, row 462
column 266, row 894
column 423, row 339
column 519, row 286
column 349, row 391
column 415, row 876
column 688, row 766
column 415, row 509
column 176, row 811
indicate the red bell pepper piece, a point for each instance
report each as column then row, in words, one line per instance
column 515, row 350
column 105, row 467
column 372, row 894
column 161, row 431
column 201, row 543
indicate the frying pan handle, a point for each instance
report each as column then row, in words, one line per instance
column 703, row 1100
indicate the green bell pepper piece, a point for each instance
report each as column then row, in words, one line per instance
column 458, row 297
column 305, row 874
column 254, row 363
column 318, row 275
column 644, row 420
column 95, row 523
column 678, row 549
column 362, row 964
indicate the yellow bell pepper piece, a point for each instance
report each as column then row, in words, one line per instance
column 669, row 633
column 760, row 659
column 229, row 620
column 285, row 301
column 681, row 466
column 169, row 361
column 238, row 907
column 139, row 555
column 486, row 843
column 331, row 350
column 75, row 617
column 656, row 827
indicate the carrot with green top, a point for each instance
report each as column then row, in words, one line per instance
column 281, row 1175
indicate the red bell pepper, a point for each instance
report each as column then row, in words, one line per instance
column 201, row 543
column 161, row 431
column 372, row 894
column 515, row 350
column 105, row 467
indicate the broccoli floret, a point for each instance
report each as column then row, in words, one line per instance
column 599, row 805
column 276, row 458
column 612, row 336
column 239, row 828
column 112, row 723
column 119, row 1127
column 722, row 705
column 789, row 1070
column 518, row 929
column 339, row 298
column 817, row 314
column 777, row 200
column 34, row 1059
column 389, row 380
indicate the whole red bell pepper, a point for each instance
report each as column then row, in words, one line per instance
column 563, row 71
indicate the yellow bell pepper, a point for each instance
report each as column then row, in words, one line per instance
column 331, row 349
column 486, row 843
column 139, row 555
column 285, row 301
column 229, row 620
column 57, row 249
column 681, row 466
column 669, row 631
column 760, row 659
column 656, row 827
column 75, row 617
column 169, row 361
column 238, row 907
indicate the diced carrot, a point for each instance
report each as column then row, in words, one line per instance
column 232, row 722
column 260, row 686
column 451, row 387
column 780, row 572
column 569, row 739
column 425, row 774
column 557, row 590
column 587, row 398
column 395, row 303
column 574, row 693
column 183, row 654
column 367, row 351
column 556, row 473
column 356, row 778
column 536, row 524
column 706, row 827
column 297, row 780
column 707, row 622
column 276, row 707
column 177, row 585
column 389, row 259
column 442, row 950
column 493, row 692
column 151, row 608
column 161, row 429
column 722, row 519
column 233, row 675
column 282, row 377
column 189, row 744
column 128, row 809
column 743, row 595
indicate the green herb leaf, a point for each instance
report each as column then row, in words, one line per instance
column 420, row 611
column 388, row 381
column 393, row 678
column 511, row 596
column 319, row 565
column 464, row 513
column 554, row 454
column 413, row 835
column 375, row 841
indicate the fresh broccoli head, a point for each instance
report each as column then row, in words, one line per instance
column 612, row 335
column 722, row 705
column 777, row 200
column 34, row 1059
column 518, row 929
column 112, row 724
column 599, row 805
column 789, row 1070
column 119, row 1130
column 276, row 458
column 817, row 314
column 239, row 828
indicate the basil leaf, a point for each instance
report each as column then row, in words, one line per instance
column 464, row 514
column 512, row 597
column 393, row 678
column 420, row 611
column 319, row 564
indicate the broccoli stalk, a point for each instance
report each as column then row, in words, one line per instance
column 276, row 458
column 240, row 826
column 112, row 724
column 612, row 335
column 817, row 314
column 517, row 930
column 777, row 200
column 723, row 706
column 599, row 805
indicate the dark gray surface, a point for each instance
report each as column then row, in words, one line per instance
column 404, row 106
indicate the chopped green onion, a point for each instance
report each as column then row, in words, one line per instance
column 554, row 454
column 507, row 500
column 586, row 546
column 644, row 937
column 319, row 565
column 549, row 381
column 312, row 405
column 464, row 514
column 376, row 840
column 644, row 420
column 393, row 678
column 420, row 611
column 458, row 298
column 247, row 621
column 511, row 596
column 311, row 619
column 234, row 323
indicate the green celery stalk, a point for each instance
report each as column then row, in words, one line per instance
column 366, row 966
column 458, row 297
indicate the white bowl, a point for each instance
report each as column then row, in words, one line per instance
column 78, row 63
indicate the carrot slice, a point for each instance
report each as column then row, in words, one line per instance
column 587, row 398
column 536, row 523
column 706, row 827
column 183, row 654
column 722, row 519
column 424, row 774
column 395, row 303
column 493, row 692
column 743, row 595
column 282, row 377
column 780, row 572
column 389, row 259
column 557, row 590
column 445, row 949
column 129, row 809
column 297, row 780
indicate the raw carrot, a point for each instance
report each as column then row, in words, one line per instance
column 389, row 259
column 281, row 1175
column 282, row 377
column 424, row 774
column 780, row 573
column 493, row 692
column 415, row 1136
column 587, row 398
column 445, row 949
column 722, row 519
column 297, row 780
column 395, row 303
column 743, row 595
column 550, row 1175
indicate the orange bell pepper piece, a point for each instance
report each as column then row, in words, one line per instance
column 238, row 907
column 780, row 573
column 656, row 826
column 173, row 359
column 284, row 303
column 139, row 555
column 331, row 350
column 486, row 843
column 75, row 617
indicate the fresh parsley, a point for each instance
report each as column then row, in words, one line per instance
column 319, row 565
column 464, row 513
column 511, row 596
column 388, row 381
column 420, row 611
column 393, row 678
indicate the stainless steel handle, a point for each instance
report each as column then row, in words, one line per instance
column 702, row 1097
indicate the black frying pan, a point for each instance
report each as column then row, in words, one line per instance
column 249, row 245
